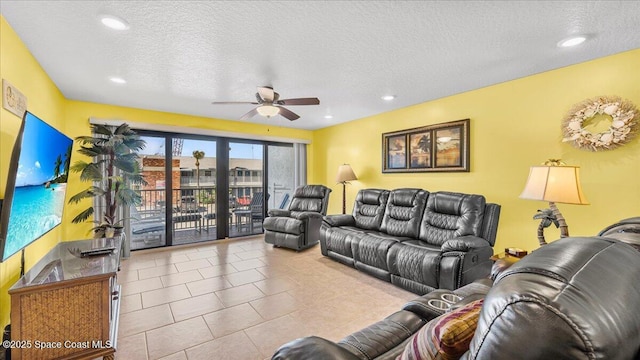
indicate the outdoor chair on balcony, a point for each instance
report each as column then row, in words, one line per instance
column 147, row 226
column 298, row 227
column 254, row 212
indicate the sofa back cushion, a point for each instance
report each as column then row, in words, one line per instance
column 369, row 208
column 404, row 211
column 313, row 198
column 449, row 215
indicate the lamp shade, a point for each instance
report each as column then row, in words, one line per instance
column 559, row 184
column 345, row 173
column 268, row 110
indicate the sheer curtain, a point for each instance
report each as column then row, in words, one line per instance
column 300, row 167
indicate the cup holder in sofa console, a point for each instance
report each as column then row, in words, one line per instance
column 450, row 298
column 439, row 304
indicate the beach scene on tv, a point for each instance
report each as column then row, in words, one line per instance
column 40, row 186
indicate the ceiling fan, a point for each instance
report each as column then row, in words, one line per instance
column 270, row 104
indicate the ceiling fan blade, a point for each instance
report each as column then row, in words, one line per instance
column 250, row 114
column 266, row 93
column 233, row 102
column 299, row 101
column 288, row 114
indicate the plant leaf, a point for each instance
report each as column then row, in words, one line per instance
column 128, row 197
column 83, row 216
column 91, row 172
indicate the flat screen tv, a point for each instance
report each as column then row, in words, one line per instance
column 36, row 185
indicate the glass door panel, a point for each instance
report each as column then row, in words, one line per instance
column 148, row 220
column 194, row 168
column 246, row 190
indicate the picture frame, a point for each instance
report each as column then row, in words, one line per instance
column 440, row 147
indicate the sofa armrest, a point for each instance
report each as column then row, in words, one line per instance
column 340, row 220
column 278, row 212
column 421, row 307
column 312, row 348
column 307, row 215
column 464, row 243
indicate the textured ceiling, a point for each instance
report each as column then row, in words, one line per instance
column 178, row 56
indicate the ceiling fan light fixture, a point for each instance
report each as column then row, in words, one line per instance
column 268, row 110
column 388, row 97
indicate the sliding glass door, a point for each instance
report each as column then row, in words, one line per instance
column 203, row 188
column 246, row 188
column 148, row 220
column 193, row 212
column 178, row 202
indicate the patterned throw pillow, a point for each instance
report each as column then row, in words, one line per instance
column 446, row 337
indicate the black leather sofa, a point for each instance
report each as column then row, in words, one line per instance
column 415, row 239
column 575, row 298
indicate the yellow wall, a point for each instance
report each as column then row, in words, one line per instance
column 513, row 125
column 44, row 100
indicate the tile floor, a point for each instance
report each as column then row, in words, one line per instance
column 241, row 299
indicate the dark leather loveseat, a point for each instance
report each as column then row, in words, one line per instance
column 415, row 239
column 575, row 298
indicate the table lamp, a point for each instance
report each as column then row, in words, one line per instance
column 554, row 182
column 345, row 174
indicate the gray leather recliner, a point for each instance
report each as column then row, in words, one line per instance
column 298, row 227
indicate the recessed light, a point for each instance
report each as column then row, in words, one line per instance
column 328, row 117
column 388, row 97
column 117, row 80
column 572, row 41
column 114, row 22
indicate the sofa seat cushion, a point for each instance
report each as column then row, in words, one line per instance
column 372, row 250
column 338, row 240
column 382, row 235
column 381, row 337
column 446, row 337
column 284, row 225
column 414, row 262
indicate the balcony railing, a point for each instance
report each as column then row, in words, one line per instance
column 191, row 209
column 206, row 181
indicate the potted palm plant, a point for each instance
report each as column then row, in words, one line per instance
column 113, row 170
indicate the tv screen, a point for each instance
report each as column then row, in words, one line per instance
column 36, row 185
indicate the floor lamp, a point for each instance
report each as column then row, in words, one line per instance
column 345, row 174
column 555, row 184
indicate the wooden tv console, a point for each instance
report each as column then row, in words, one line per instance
column 67, row 305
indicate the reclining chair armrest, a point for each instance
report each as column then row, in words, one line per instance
column 464, row 243
column 339, row 220
column 312, row 348
column 278, row 212
column 307, row 215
